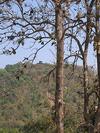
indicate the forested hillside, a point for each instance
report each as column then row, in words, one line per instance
column 27, row 97
column 45, row 98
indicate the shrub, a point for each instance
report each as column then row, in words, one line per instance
column 9, row 130
column 43, row 124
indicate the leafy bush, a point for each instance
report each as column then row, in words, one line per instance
column 9, row 130
column 43, row 124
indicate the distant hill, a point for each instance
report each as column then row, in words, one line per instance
column 27, row 93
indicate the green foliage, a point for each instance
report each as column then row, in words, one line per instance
column 70, row 122
column 9, row 130
column 3, row 72
column 12, row 68
column 24, row 101
column 43, row 124
column 21, row 41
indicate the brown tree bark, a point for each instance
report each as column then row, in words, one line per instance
column 86, row 100
column 85, row 66
column 97, row 42
column 59, row 114
column 85, row 56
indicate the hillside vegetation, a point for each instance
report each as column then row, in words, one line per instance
column 27, row 98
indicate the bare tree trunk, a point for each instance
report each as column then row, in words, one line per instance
column 85, row 67
column 59, row 115
column 86, row 100
column 97, row 122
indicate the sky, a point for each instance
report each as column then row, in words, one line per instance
column 47, row 55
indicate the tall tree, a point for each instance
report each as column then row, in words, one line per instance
column 89, row 26
column 59, row 20
column 85, row 25
column 47, row 23
column 97, row 43
column 29, row 23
